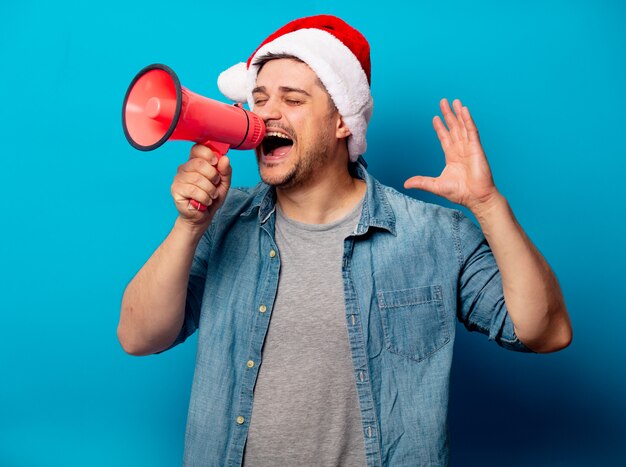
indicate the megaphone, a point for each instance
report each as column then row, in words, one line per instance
column 157, row 109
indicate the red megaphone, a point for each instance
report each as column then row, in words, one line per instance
column 157, row 108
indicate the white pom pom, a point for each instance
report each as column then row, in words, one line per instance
column 233, row 83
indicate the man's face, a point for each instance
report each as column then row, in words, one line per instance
column 301, row 123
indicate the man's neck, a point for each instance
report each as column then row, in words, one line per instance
column 325, row 199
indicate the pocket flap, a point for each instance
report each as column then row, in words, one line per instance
column 407, row 297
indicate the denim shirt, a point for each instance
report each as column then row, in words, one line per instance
column 410, row 270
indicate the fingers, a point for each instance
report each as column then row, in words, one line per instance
column 204, row 178
column 225, row 170
column 460, row 123
column 199, row 181
column 459, row 119
column 202, row 152
column 423, row 183
column 450, row 120
column 442, row 133
column 472, row 131
column 202, row 168
column 183, row 191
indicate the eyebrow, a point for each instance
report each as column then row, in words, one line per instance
column 283, row 89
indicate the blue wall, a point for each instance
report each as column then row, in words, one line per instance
column 82, row 210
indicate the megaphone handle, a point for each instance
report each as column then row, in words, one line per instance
column 219, row 149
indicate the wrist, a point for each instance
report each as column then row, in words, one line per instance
column 494, row 205
column 189, row 231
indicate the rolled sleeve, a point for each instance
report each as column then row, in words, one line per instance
column 481, row 304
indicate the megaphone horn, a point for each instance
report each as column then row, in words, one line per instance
column 157, row 109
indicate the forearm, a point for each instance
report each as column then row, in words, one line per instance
column 153, row 306
column 531, row 291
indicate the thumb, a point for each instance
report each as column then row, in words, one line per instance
column 226, row 172
column 423, row 183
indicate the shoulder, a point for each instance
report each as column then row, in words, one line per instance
column 239, row 202
column 411, row 211
column 240, row 194
column 242, row 199
column 440, row 229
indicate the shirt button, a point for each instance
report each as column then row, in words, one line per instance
column 272, row 253
column 250, row 364
column 262, row 308
column 240, row 420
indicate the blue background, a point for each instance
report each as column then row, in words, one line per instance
column 82, row 210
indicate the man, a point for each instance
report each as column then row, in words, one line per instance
column 362, row 284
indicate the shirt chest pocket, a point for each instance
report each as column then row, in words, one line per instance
column 414, row 323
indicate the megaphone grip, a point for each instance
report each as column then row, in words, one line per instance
column 196, row 205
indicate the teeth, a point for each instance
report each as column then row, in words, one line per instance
column 278, row 135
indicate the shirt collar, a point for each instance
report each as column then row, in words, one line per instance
column 376, row 211
column 264, row 200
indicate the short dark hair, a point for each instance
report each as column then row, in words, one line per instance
column 269, row 56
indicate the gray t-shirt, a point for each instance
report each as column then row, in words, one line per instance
column 305, row 410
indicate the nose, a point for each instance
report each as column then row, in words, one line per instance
column 269, row 110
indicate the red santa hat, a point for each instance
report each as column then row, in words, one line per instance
column 337, row 53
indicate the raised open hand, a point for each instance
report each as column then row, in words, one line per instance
column 466, row 178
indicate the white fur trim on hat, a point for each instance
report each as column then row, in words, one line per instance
column 233, row 82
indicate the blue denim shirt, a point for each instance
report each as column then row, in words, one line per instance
column 410, row 270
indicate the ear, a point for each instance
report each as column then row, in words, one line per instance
column 342, row 130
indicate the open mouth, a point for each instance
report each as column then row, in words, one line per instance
column 276, row 144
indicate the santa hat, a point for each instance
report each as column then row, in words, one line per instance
column 337, row 53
